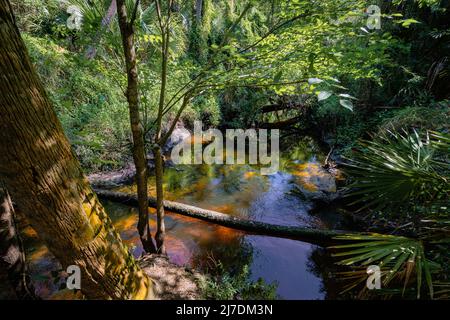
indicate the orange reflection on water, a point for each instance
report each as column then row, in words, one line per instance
column 310, row 174
column 249, row 174
column 29, row 232
column 225, row 234
column 38, row 253
column 224, row 208
column 126, row 223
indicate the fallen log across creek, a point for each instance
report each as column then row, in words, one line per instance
column 316, row 236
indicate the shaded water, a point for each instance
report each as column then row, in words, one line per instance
column 237, row 190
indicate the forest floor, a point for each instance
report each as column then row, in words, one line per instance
column 172, row 282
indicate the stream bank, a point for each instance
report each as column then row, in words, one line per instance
column 172, row 282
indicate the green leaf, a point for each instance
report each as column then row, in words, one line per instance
column 407, row 22
column 277, row 77
column 312, row 81
column 323, row 95
column 347, row 96
column 395, row 255
column 346, row 104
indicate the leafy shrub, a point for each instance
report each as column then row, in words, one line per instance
column 225, row 286
column 421, row 118
column 400, row 169
column 88, row 101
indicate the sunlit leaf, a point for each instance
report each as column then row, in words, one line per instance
column 346, row 104
column 347, row 96
column 312, row 81
column 323, row 95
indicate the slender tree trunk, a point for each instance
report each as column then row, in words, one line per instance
column 159, row 143
column 198, row 11
column 159, row 175
column 198, row 45
column 12, row 255
column 46, row 182
column 139, row 154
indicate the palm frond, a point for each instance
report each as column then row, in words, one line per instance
column 398, row 258
column 398, row 168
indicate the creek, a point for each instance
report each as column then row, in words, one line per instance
column 300, row 270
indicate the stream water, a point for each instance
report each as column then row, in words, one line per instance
column 299, row 269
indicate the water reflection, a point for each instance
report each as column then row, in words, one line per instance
column 236, row 190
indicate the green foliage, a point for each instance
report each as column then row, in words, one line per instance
column 241, row 55
column 405, row 175
column 88, row 101
column 39, row 17
column 225, row 286
column 398, row 258
column 399, row 170
column 239, row 107
column 205, row 108
column 314, row 49
column 420, row 118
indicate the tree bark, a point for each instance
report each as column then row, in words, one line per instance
column 13, row 264
column 159, row 204
column 158, row 142
column 46, row 182
column 139, row 154
column 317, row 236
column 198, row 11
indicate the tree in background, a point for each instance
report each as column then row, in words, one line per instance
column 137, row 129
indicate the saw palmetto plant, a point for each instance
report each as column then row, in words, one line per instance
column 405, row 175
column 400, row 259
column 400, row 169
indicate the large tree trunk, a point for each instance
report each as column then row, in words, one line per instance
column 13, row 264
column 317, row 236
column 46, row 182
column 139, row 154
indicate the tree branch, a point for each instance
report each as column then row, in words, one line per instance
column 133, row 16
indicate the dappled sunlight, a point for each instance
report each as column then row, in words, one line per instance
column 236, row 190
column 94, row 92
